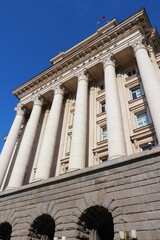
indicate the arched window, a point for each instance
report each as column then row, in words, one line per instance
column 97, row 222
column 5, row 231
column 43, row 227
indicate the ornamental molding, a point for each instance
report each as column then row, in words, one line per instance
column 38, row 100
column 59, row 89
column 108, row 60
column 67, row 62
column 83, row 74
column 20, row 109
column 139, row 44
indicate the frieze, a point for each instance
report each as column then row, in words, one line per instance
column 99, row 41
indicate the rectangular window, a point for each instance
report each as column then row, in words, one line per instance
column 136, row 92
column 131, row 72
column 148, row 146
column 101, row 85
column 142, row 119
column 103, row 133
column 103, row 159
column 103, row 106
column 68, row 144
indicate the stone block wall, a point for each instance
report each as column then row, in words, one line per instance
column 128, row 187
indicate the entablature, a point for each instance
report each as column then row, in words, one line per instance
column 104, row 38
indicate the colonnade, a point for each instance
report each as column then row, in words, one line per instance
column 115, row 126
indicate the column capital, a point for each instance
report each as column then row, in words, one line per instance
column 59, row 89
column 92, row 85
column 83, row 75
column 20, row 109
column 108, row 60
column 47, row 110
column 38, row 100
column 139, row 44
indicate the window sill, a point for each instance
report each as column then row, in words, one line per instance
column 101, row 114
column 137, row 99
column 101, row 91
column 102, row 142
column 132, row 77
column 139, row 129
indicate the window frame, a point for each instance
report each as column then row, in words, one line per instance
column 138, row 122
column 103, row 106
column 132, row 70
column 134, row 90
column 103, row 159
column 103, row 133
column 101, row 86
column 147, row 146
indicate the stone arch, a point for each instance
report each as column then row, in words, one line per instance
column 96, row 223
column 5, row 231
column 43, row 227
column 8, row 216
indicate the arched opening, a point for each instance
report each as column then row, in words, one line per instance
column 43, row 227
column 5, row 231
column 96, row 224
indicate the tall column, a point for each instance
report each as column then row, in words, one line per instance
column 45, row 117
column 92, row 124
column 11, row 141
column 23, row 156
column 151, row 83
column 64, row 134
column 79, row 138
column 115, row 130
column 50, row 136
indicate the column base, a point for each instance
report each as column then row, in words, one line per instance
column 38, row 179
column 72, row 169
column 116, row 156
column 10, row 188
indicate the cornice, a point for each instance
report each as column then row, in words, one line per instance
column 85, row 42
column 105, row 37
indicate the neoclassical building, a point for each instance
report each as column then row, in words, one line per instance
column 81, row 160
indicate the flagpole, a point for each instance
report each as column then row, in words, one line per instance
column 99, row 21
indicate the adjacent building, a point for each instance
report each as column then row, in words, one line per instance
column 81, row 160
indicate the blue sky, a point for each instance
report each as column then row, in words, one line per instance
column 34, row 31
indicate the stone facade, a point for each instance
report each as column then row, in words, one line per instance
column 128, row 187
column 81, row 160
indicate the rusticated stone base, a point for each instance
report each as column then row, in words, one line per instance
column 127, row 187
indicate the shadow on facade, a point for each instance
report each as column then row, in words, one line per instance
column 43, row 227
column 5, row 231
column 96, row 223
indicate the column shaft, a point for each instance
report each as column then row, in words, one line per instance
column 92, row 122
column 23, row 156
column 50, row 137
column 151, row 84
column 11, row 142
column 79, row 133
column 45, row 117
column 64, row 133
column 115, row 130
